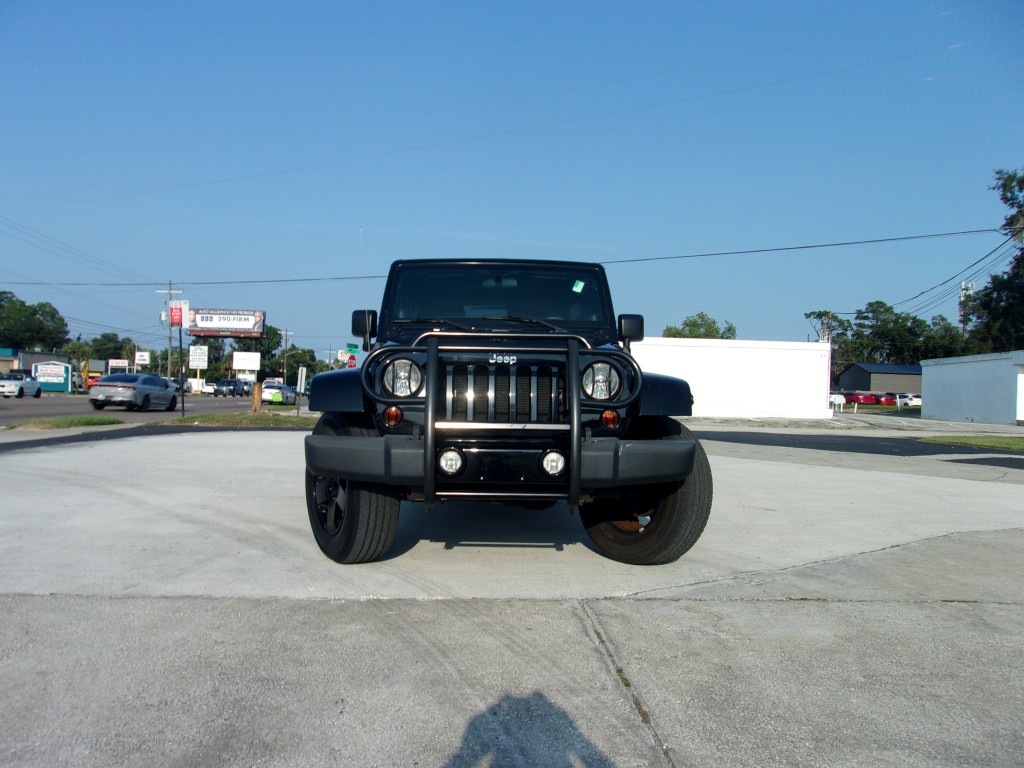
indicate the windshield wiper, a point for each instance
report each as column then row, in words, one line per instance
column 527, row 320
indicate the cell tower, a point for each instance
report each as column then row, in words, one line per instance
column 966, row 291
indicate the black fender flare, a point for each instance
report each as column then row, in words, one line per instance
column 663, row 395
column 338, row 391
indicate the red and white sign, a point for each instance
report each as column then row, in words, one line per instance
column 351, row 361
column 178, row 310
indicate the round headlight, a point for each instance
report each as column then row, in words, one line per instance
column 601, row 381
column 402, row 378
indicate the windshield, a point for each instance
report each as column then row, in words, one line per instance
column 535, row 296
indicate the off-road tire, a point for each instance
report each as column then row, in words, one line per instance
column 653, row 525
column 352, row 522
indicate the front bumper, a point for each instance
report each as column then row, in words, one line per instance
column 399, row 460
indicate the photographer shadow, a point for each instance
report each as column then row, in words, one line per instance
column 526, row 730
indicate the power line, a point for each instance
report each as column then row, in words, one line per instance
column 709, row 254
column 844, row 244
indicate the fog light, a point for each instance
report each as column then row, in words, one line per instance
column 553, row 463
column 450, row 462
column 609, row 419
column 392, row 415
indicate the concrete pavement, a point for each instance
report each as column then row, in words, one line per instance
column 164, row 604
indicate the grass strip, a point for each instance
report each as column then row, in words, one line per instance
column 999, row 442
column 268, row 418
column 68, row 422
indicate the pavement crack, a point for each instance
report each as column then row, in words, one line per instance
column 627, row 686
column 796, row 566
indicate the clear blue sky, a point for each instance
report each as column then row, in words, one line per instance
column 212, row 142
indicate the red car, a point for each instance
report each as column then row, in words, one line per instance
column 862, row 398
column 886, row 399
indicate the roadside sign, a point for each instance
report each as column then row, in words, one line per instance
column 178, row 310
column 351, row 361
column 198, row 358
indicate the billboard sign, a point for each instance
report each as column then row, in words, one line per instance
column 141, row 357
column 234, row 323
column 245, row 361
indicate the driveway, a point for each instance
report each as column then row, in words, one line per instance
column 164, row 604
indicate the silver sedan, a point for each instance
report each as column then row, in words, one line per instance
column 135, row 391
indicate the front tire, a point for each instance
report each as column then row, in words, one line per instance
column 38, row 394
column 172, row 403
column 352, row 522
column 653, row 525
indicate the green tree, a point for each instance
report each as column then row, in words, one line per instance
column 880, row 334
column 298, row 356
column 108, row 345
column 30, row 326
column 996, row 312
column 700, row 326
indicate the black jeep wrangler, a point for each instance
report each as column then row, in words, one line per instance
column 503, row 381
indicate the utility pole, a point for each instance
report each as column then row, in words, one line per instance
column 169, row 291
column 285, row 356
column 330, row 356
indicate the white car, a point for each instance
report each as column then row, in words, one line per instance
column 19, row 385
column 281, row 394
column 906, row 400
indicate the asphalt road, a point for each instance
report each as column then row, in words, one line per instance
column 15, row 410
column 164, row 604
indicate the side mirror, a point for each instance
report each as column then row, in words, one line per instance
column 364, row 325
column 631, row 328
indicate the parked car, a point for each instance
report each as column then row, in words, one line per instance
column 177, row 384
column 19, row 385
column 279, row 394
column 208, row 387
column 246, row 386
column 861, row 398
column 232, row 387
column 134, row 391
column 886, row 399
column 907, row 400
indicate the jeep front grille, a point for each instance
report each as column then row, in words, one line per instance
column 518, row 394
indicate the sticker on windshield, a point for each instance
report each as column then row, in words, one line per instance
column 577, row 287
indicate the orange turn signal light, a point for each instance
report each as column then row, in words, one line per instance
column 393, row 415
column 609, row 419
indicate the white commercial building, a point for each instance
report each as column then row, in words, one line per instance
column 745, row 379
column 982, row 388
